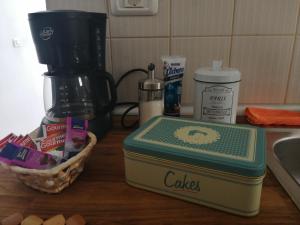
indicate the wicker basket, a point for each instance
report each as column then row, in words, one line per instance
column 58, row 178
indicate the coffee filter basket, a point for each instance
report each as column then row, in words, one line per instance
column 58, row 178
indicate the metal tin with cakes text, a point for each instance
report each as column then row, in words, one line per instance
column 217, row 165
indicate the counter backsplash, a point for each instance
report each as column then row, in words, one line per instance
column 245, row 34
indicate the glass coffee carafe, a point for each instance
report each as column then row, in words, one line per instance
column 68, row 96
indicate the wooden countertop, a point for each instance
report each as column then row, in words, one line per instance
column 101, row 195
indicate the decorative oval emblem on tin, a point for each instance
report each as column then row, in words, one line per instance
column 197, row 135
column 46, row 33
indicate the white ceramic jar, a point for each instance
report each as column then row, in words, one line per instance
column 216, row 93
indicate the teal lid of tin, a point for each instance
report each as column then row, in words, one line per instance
column 232, row 148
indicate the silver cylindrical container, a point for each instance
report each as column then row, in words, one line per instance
column 151, row 96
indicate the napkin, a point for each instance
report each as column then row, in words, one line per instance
column 262, row 116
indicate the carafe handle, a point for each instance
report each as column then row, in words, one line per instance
column 112, row 91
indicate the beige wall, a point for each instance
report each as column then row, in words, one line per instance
column 259, row 37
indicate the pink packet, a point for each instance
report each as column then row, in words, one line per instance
column 8, row 139
column 28, row 158
column 75, row 136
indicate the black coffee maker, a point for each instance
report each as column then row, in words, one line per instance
column 72, row 45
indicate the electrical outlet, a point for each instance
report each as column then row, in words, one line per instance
column 134, row 3
column 134, row 7
column 17, row 42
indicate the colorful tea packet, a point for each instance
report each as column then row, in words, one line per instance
column 75, row 137
column 28, row 158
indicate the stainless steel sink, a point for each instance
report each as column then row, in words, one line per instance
column 283, row 158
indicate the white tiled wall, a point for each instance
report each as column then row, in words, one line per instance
column 270, row 17
column 264, row 62
column 259, row 37
column 128, row 53
column 200, row 51
column 202, row 18
column 293, row 94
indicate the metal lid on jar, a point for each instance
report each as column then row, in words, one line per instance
column 217, row 74
column 151, row 83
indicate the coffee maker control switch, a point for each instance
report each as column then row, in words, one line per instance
column 134, row 7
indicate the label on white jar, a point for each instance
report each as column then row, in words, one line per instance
column 217, row 104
